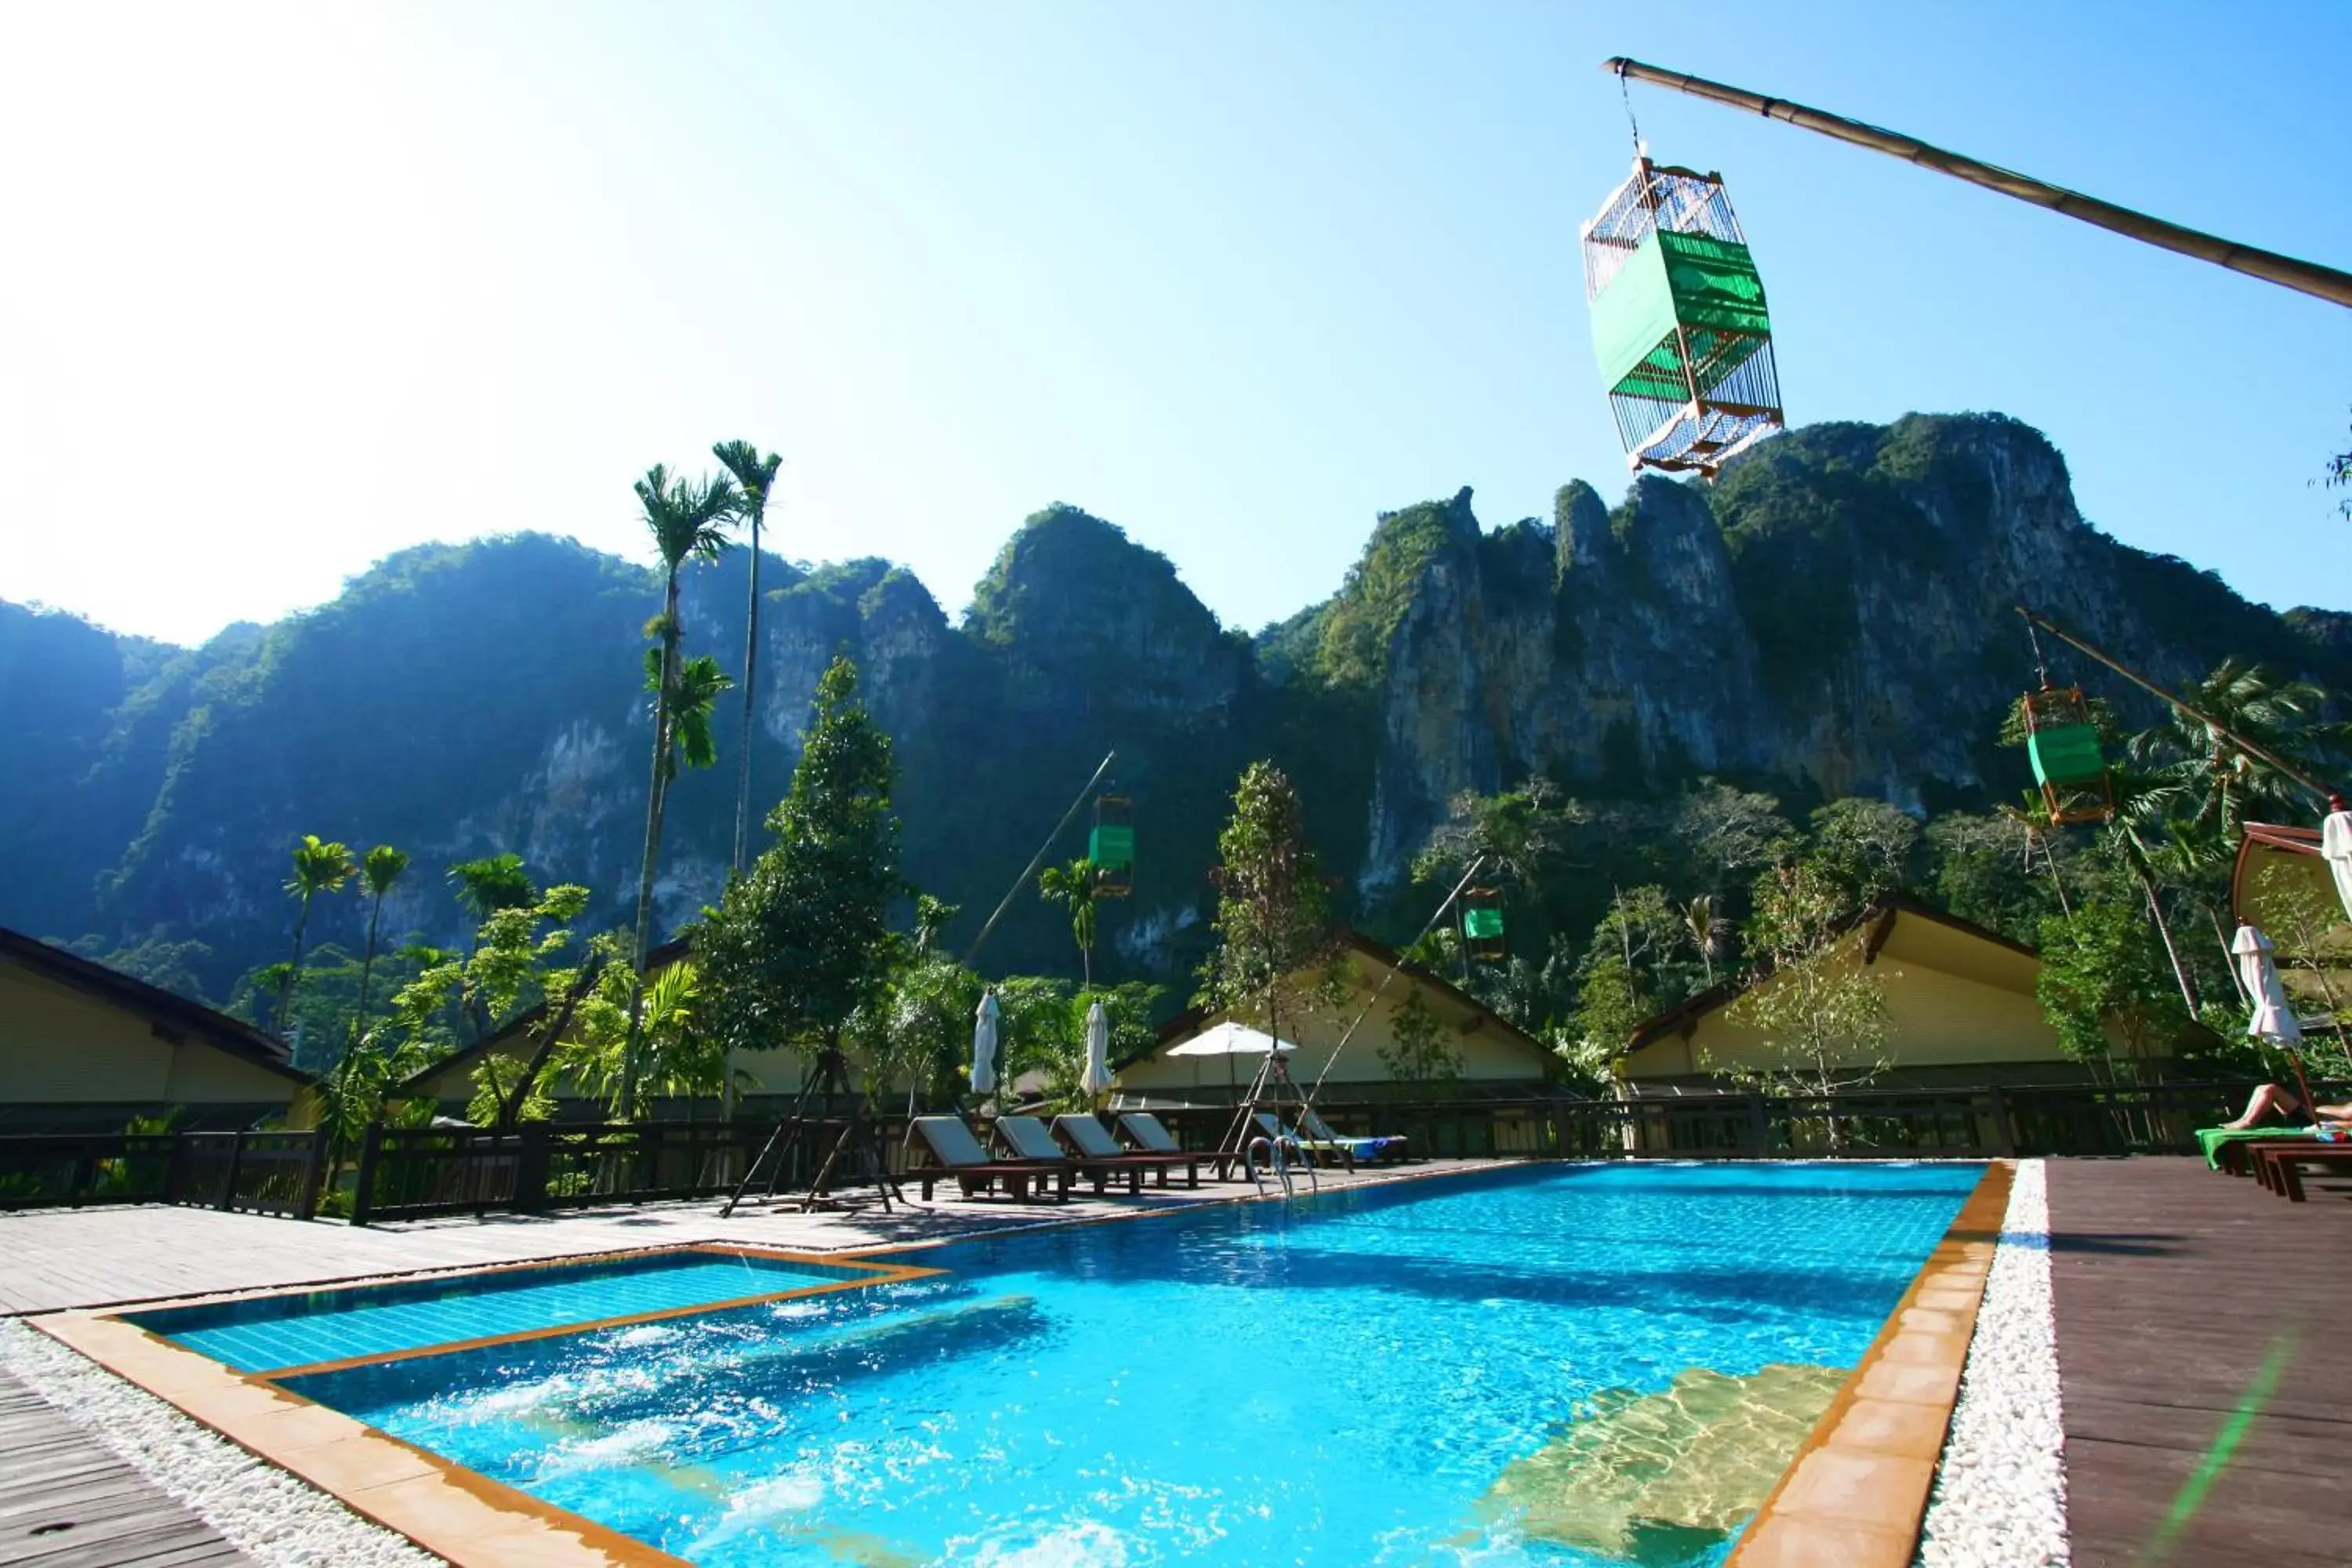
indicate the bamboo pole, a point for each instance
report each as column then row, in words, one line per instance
column 2288, row 272
column 2260, row 753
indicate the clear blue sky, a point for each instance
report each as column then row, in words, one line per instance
column 290, row 286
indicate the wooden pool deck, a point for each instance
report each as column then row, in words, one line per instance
column 2205, row 1364
column 67, row 1502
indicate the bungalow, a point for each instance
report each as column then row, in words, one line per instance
column 84, row 1048
column 1961, row 1011
column 1453, row 1045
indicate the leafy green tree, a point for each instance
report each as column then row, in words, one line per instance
column 1821, row 1009
column 319, row 867
column 2310, row 935
column 1632, row 968
column 1419, row 1052
column 1865, row 847
column 1078, row 888
column 1275, row 952
column 799, row 944
column 492, row 883
column 755, row 477
column 2103, row 983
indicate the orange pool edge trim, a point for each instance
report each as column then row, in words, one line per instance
column 1856, row 1490
column 449, row 1510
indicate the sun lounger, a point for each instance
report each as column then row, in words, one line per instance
column 1147, row 1132
column 1317, row 1142
column 1091, row 1141
column 2280, row 1166
column 1030, row 1141
column 2228, row 1148
column 1316, row 1132
column 956, row 1153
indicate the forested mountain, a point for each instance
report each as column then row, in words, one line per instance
column 1832, row 616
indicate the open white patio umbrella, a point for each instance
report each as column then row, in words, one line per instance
column 983, row 1046
column 2335, row 847
column 1097, row 1078
column 1231, row 1039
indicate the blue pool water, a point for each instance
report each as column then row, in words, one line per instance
column 275, row 1332
column 1339, row 1383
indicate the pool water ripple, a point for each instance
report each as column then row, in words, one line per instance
column 1342, row 1382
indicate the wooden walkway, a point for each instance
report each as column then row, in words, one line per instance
column 2207, row 1372
column 67, row 1503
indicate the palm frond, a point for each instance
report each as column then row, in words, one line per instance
column 754, row 473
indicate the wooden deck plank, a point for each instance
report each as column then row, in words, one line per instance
column 53, row 1474
column 2172, row 1285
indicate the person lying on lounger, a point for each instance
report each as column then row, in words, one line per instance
column 2277, row 1099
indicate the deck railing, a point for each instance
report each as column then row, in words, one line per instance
column 542, row 1167
column 254, row 1173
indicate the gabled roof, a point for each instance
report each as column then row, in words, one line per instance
column 171, row 1016
column 1880, row 913
column 1187, row 1023
column 662, row 957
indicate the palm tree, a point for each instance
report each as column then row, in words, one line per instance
column 1708, row 931
column 688, row 519
column 757, row 475
column 485, row 887
column 1077, row 886
column 2198, row 775
column 319, row 867
column 383, row 866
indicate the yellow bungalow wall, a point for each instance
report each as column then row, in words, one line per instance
column 1953, row 999
column 59, row 1046
column 1490, row 1051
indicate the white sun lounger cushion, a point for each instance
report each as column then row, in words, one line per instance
column 952, row 1140
column 1029, row 1138
column 1091, row 1137
column 1146, row 1128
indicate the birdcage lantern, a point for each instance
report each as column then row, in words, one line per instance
column 1482, row 924
column 1110, row 844
column 1679, row 325
column 2062, row 742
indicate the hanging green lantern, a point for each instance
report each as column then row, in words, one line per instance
column 2062, row 743
column 1110, row 844
column 1679, row 326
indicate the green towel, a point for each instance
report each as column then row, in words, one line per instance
column 2211, row 1139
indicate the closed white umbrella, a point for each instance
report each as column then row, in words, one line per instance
column 2335, row 847
column 1097, row 1078
column 1231, row 1040
column 2274, row 1018
column 983, row 1046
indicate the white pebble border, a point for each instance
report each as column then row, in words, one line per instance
column 275, row 1519
column 2000, row 1493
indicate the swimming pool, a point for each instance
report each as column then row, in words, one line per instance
column 276, row 1333
column 1577, row 1365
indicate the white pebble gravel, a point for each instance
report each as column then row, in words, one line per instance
column 273, row 1518
column 2000, row 1493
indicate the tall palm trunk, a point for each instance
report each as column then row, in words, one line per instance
column 750, row 684
column 656, row 799
column 293, row 970
column 2163, row 930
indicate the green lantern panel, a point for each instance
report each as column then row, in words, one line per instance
column 2066, row 755
column 1680, row 328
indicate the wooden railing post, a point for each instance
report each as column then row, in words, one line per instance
column 228, row 1194
column 2004, row 1142
column 314, row 1175
column 363, row 1187
column 531, row 1168
column 1759, row 1134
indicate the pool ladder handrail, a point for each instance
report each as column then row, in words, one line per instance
column 1278, row 1162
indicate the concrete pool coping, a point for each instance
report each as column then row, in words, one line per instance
column 470, row 1520
column 1856, row 1489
